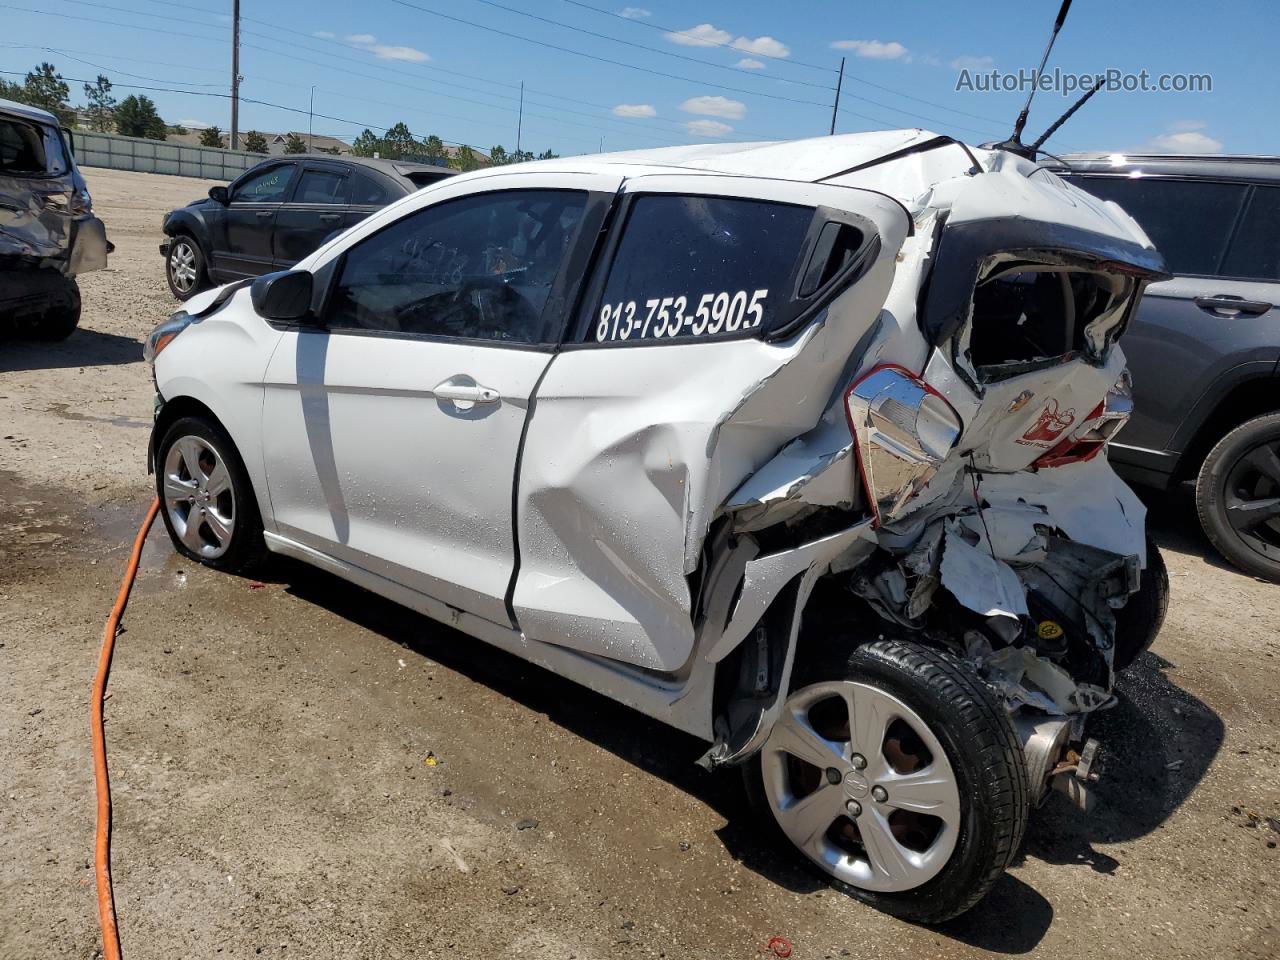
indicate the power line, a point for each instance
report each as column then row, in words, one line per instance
column 701, row 40
column 641, row 46
column 599, row 59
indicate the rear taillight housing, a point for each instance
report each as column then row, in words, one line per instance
column 903, row 430
column 1097, row 429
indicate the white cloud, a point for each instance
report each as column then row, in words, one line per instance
column 634, row 13
column 715, row 107
column 873, row 49
column 972, row 63
column 708, row 128
column 1186, row 141
column 323, row 34
column 634, row 110
column 196, row 124
column 411, row 54
column 703, row 35
column 746, row 63
column 385, row 51
column 762, row 46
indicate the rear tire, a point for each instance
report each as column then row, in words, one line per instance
column 1139, row 621
column 184, row 267
column 936, row 721
column 206, row 500
column 62, row 317
column 1238, row 496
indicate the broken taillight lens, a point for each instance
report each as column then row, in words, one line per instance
column 903, row 430
column 1097, row 429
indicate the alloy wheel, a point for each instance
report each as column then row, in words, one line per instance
column 182, row 265
column 198, row 496
column 1252, row 499
column 859, row 783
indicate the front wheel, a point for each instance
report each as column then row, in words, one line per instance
column 1238, row 496
column 184, row 268
column 900, row 779
column 206, row 499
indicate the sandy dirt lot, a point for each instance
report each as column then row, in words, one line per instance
column 267, row 745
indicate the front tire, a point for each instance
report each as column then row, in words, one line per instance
column 184, row 268
column 1238, row 496
column 206, row 500
column 900, row 778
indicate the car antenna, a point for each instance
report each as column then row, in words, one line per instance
column 1014, row 144
column 1053, row 127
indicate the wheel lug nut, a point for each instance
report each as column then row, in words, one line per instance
column 879, row 793
column 854, row 808
column 859, row 761
column 833, row 776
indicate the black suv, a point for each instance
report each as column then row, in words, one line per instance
column 1204, row 347
column 278, row 212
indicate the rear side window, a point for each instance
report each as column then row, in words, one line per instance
column 366, row 190
column 699, row 268
column 1255, row 251
column 321, row 186
column 1189, row 221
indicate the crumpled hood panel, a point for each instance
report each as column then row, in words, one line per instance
column 27, row 227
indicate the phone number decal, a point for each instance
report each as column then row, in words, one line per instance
column 715, row 313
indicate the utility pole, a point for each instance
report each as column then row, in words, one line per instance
column 235, row 74
column 835, row 107
column 310, row 114
column 520, row 120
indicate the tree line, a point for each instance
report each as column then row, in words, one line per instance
column 399, row 143
column 137, row 116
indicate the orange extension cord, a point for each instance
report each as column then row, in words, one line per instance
column 102, row 783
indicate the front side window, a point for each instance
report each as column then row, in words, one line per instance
column 692, row 267
column 481, row 267
column 268, row 186
column 1255, row 251
column 1189, row 221
column 321, row 186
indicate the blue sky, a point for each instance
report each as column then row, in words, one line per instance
column 686, row 71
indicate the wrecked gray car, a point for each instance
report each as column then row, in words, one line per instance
column 798, row 447
column 48, row 233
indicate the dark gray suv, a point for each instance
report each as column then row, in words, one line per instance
column 1204, row 346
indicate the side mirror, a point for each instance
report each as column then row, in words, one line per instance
column 285, row 295
column 221, row 194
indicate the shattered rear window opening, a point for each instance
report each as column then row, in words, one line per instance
column 1028, row 314
column 22, row 149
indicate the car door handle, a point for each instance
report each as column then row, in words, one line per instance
column 330, row 217
column 465, row 392
column 1235, row 304
column 263, row 214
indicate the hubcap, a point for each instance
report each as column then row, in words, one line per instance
column 891, row 821
column 182, row 265
column 198, row 497
column 1252, row 499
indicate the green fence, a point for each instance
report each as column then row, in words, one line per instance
column 157, row 156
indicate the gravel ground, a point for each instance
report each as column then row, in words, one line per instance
column 268, row 745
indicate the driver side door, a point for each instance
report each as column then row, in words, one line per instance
column 391, row 431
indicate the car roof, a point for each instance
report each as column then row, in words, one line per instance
column 399, row 169
column 28, row 112
column 1207, row 166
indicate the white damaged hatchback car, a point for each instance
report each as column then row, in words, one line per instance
column 798, row 447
